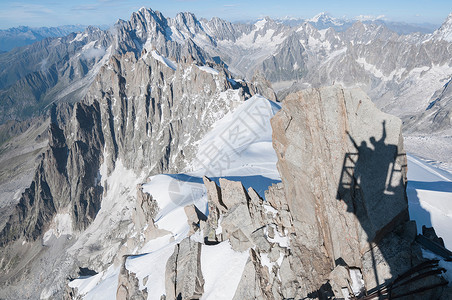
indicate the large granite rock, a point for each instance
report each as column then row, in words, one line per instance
column 183, row 278
column 343, row 171
column 342, row 165
column 250, row 224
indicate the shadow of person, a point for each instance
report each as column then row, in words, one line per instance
column 372, row 185
column 374, row 168
column 375, row 183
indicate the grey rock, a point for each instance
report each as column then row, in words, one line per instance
column 183, row 277
column 263, row 87
column 275, row 196
column 194, row 217
column 341, row 125
column 146, row 208
column 232, row 193
column 248, row 287
column 215, row 207
column 65, row 176
column 214, row 194
column 243, row 223
column 237, row 226
column 128, row 285
column 340, row 279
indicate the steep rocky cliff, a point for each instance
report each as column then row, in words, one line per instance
column 336, row 226
column 144, row 115
column 340, row 211
column 341, row 169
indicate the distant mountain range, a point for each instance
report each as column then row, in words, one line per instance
column 24, row 35
column 324, row 20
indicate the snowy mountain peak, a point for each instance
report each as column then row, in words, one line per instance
column 260, row 24
column 445, row 31
column 324, row 20
column 146, row 15
column 265, row 22
column 320, row 17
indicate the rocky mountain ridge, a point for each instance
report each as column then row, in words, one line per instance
column 24, row 35
column 145, row 123
column 315, row 59
column 317, row 234
column 152, row 88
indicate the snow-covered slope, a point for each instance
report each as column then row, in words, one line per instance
column 445, row 31
column 239, row 148
column 430, row 197
column 429, row 193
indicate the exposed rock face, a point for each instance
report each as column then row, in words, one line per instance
column 341, row 170
column 21, row 145
column 141, row 112
column 263, row 87
column 146, row 208
column 150, row 110
column 128, row 286
column 250, row 224
column 184, row 278
column 194, row 217
column 326, row 137
column 66, row 176
column 289, row 63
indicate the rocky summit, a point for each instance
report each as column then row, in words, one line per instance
column 185, row 158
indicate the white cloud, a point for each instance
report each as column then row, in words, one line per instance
column 369, row 17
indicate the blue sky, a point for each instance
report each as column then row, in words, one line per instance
column 60, row 12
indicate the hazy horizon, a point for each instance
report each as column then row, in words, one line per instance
column 49, row 13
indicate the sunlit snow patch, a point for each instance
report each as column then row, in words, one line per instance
column 239, row 148
column 430, row 198
column 222, row 268
column 164, row 60
column 208, row 70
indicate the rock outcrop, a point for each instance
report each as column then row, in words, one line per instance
column 343, row 169
column 128, row 286
column 325, row 231
column 184, row 279
column 249, row 224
